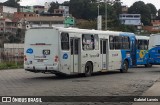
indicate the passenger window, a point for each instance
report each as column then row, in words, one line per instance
column 145, row 44
column 142, row 44
column 65, row 41
column 117, row 41
column 126, row 42
column 96, row 42
column 111, row 42
column 87, row 42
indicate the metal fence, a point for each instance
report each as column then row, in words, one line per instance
column 11, row 55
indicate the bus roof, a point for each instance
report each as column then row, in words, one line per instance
column 142, row 37
column 87, row 31
column 155, row 34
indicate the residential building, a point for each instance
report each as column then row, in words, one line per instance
column 58, row 11
column 111, row 1
column 155, row 22
column 26, row 9
column 47, row 5
column 130, row 19
column 41, row 21
column 7, row 12
column 154, row 28
column 38, row 9
column 124, row 9
column 20, row 15
column 65, row 10
column 62, row 10
column 7, row 25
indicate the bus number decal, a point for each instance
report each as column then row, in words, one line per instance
column 46, row 52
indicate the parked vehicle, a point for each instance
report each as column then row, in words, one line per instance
column 74, row 51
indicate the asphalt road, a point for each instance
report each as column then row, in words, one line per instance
column 134, row 83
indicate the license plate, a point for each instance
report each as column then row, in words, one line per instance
column 40, row 60
column 46, row 52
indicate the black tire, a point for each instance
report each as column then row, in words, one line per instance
column 88, row 69
column 148, row 65
column 124, row 67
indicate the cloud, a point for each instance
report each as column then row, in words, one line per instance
column 130, row 2
column 38, row 2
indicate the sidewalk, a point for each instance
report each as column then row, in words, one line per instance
column 153, row 91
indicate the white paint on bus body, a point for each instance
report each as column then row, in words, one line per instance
column 68, row 61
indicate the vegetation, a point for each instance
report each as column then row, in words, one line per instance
column 146, row 11
column 87, row 10
column 9, row 37
column 87, row 24
column 54, row 5
column 12, row 3
column 10, row 65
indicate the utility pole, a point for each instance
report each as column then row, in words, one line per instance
column 99, row 20
column 106, row 14
column 98, row 9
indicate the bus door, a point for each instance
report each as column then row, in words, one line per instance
column 104, row 53
column 75, row 51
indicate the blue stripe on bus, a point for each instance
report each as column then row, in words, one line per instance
column 128, row 54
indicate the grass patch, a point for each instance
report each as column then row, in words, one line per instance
column 10, row 65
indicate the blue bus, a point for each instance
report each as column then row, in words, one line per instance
column 142, row 51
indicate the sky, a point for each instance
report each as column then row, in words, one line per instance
column 156, row 3
column 125, row 2
column 36, row 2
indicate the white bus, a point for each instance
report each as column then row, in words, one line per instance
column 73, row 51
column 154, row 49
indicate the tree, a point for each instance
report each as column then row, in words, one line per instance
column 153, row 10
column 12, row 3
column 158, row 17
column 117, row 9
column 140, row 8
column 90, row 10
column 78, row 8
column 66, row 3
column 54, row 5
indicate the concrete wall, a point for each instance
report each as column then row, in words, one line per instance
column 13, row 45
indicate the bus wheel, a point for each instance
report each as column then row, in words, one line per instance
column 124, row 67
column 148, row 65
column 88, row 69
